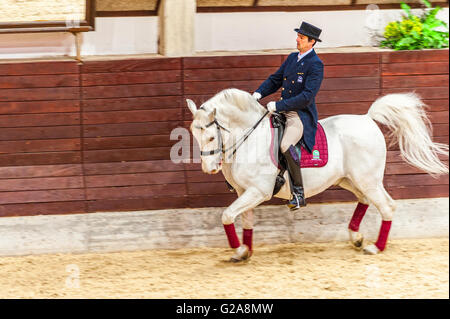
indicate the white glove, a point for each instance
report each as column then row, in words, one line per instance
column 257, row 96
column 272, row 107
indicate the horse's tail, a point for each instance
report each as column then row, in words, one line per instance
column 404, row 115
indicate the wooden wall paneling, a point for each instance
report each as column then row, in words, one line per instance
column 39, row 81
column 39, row 133
column 414, row 56
column 130, row 65
column 135, row 116
column 31, row 209
column 131, row 167
column 211, row 200
column 207, row 188
column 39, row 120
column 129, row 129
column 401, row 168
column 121, row 142
column 131, row 103
column 143, row 203
column 229, row 74
column 414, row 68
column 30, row 107
column 407, row 81
column 22, row 184
column 237, row 61
column 41, row 196
column 133, row 154
column 436, row 105
column 350, row 58
column 427, row 191
column 351, row 70
column 40, row 171
column 50, row 158
column 40, row 143
column 53, row 145
column 130, row 108
column 140, row 191
column 349, row 83
column 39, row 94
column 212, row 88
column 126, row 78
column 414, row 180
column 134, row 90
column 135, row 179
column 38, row 68
column 366, row 95
column 331, row 109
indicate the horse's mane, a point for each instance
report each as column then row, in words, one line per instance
column 229, row 99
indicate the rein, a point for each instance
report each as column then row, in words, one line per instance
column 219, row 133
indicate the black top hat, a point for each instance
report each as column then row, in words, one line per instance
column 309, row 30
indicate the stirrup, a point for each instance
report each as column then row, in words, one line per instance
column 296, row 202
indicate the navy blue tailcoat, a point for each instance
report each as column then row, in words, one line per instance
column 299, row 82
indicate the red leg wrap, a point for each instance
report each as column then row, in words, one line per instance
column 357, row 217
column 384, row 233
column 248, row 238
column 233, row 239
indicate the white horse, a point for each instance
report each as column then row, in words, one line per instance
column 356, row 161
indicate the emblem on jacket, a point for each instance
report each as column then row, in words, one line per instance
column 300, row 79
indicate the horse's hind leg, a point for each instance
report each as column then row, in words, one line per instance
column 386, row 206
column 356, row 238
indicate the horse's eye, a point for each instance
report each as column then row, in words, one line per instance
column 211, row 139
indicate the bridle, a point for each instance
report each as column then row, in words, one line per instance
column 219, row 135
column 236, row 145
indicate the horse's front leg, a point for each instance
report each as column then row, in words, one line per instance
column 247, row 230
column 248, row 200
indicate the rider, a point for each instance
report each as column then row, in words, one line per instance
column 299, row 77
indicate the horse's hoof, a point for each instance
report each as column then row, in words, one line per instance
column 241, row 253
column 371, row 250
column 356, row 239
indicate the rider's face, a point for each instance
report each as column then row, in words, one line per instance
column 303, row 43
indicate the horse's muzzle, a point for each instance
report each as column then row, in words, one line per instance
column 212, row 169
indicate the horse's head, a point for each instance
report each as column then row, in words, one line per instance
column 206, row 131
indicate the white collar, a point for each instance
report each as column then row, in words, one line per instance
column 301, row 56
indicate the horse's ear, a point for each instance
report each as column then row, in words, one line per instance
column 192, row 107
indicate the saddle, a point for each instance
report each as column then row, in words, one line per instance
column 317, row 158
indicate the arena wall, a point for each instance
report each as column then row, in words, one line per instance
column 95, row 136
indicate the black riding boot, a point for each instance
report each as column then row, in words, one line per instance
column 295, row 173
column 230, row 188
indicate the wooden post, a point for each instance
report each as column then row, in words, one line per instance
column 78, row 45
column 77, row 34
column 176, row 27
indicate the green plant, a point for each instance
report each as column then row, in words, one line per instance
column 416, row 32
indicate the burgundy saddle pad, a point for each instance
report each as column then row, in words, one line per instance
column 318, row 157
